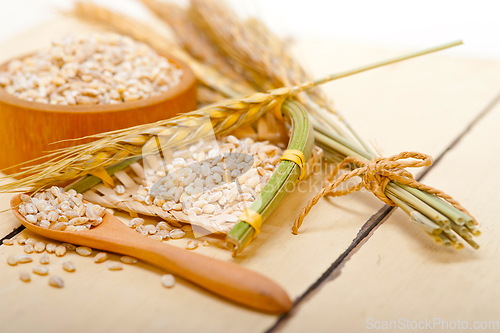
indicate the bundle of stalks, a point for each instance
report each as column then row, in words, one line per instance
column 265, row 65
column 112, row 147
column 265, row 62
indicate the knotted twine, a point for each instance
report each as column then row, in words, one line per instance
column 375, row 175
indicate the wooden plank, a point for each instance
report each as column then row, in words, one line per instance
column 7, row 219
column 399, row 273
column 135, row 300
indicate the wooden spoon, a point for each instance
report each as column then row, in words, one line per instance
column 225, row 279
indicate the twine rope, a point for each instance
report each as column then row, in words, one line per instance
column 375, row 175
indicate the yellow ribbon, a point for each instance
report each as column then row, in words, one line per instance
column 298, row 158
column 254, row 219
column 103, row 175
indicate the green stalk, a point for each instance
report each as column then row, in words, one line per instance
column 419, row 205
column 330, row 154
column 453, row 214
column 319, row 127
column 385, row 62
column 446, row 241
column 415, row 216
column 283, row 178
column 408, row 198
column 335, row 145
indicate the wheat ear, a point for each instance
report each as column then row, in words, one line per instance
column 194, row 41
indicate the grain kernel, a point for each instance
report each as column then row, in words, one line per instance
column 138, row 198
column 196, row 210
column 21, row 239
column 81, row 228
column 31, row 209
column 96, row 222
column 26, row 198
column 69, row 247
column 84, row 251
column 60, row 250
column 28, row 248
column 177, row 233
column 164, row 234
column 59, row 226
column 44, row 259
column 115, row 266
column 40, row 247
column 135, row 222
column 62, row 218
column 128, row 260
column 7, row 242
column 41, row 270
column 191, row 245
column 56, row 281
column 31, row 241
column 68, row 266
column 71, row 228
column 150, row 229
column 78, row 221
column 187, row 228
column 214, row 197
column 163, row 226
column 119, row 189
column 167, row 280
column 44, row 224
column 50, row 248
column 100, row 257
column 208, row 209
column 31, row 218
column 53, row 216
column 200, row 203
column 253, row 181
column 23, row 259
column 156, row 237
column 25, row 276
column 12, row 260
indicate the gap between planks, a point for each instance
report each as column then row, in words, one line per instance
column 368, row 228
column 14, row 232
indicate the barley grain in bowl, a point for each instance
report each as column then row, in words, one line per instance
column 98, row 68
column 83, row 85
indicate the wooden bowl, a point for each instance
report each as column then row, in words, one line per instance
column 27, row 128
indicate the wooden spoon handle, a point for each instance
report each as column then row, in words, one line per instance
column 220, row 277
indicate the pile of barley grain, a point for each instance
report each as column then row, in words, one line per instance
column 216, row 183
column 44, row 259
column 100, row 68
column 59, row 210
